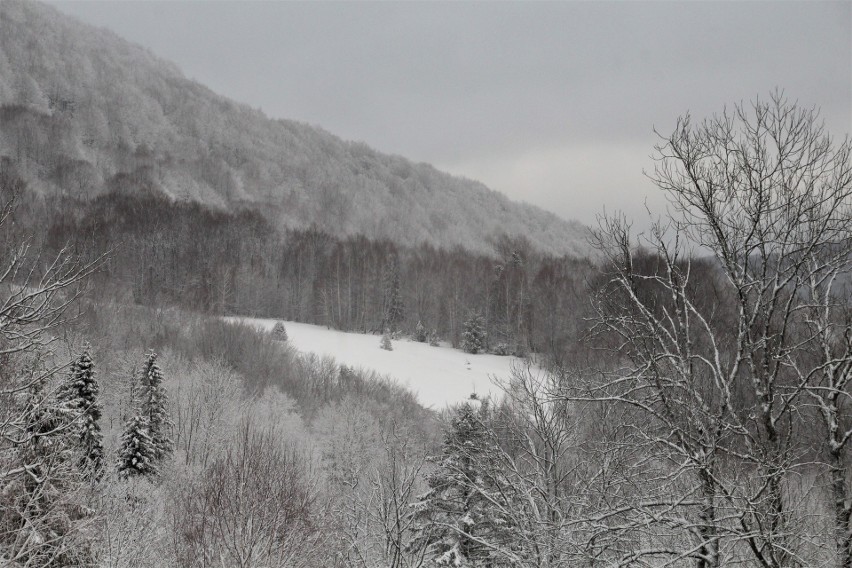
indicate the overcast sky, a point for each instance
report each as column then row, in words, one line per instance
column 552, row 103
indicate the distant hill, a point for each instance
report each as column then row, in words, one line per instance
column 83, row 111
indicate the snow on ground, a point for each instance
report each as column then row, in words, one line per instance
column 439, row 375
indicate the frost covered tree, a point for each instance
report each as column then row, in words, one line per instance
column 725, row 362
column 40, row 512
column 256, row 505
column 138, row 453
column 394, row 310
column 420, row 333
column 80, row 395
column 462, row 520
column 279, row 332
column 386, row 343
column 473, row 334
column 154, row 408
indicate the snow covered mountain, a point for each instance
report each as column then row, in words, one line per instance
column 84, row 112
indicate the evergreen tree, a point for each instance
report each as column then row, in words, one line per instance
column 79, row 394
column 386, row 342
column 420, row 333
column 279, row 332
column 462, row 520
column 154, row 408
column 393, row 308
column 473, row 334
column 138, row 454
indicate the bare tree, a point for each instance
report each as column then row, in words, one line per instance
column 538, row 457
column 720, row 365
column 39, row 511
column 377, row 526
column 254, row 506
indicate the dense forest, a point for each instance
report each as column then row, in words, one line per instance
column 163, row 253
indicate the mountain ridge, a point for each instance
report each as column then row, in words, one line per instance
column 82, row 111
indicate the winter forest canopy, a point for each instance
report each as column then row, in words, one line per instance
column 682, row 397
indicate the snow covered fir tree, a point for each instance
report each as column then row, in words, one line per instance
column 462, row 520
column 146, row 441
column 386, row 342
column 420, row 333
column 473, row 337
column 79, row 394
column 394, row 309
column 154, row 407
column 279, row 331
column 138, row 454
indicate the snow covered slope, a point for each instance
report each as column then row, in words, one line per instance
column 439, row 375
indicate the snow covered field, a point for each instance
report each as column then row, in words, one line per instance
column 439, row 375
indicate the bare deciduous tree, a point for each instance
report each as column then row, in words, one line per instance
column 39, row 511
column 254, row 506
column 722, row 389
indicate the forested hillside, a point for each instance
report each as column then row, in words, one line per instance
column 83, row 112
column 220, row 263
column 682, row 399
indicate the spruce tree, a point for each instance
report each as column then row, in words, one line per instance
column 386, row 342
column 154, row 408
column 393, row 308
column 79, row 394
column 137, row 456
column 473, row 334
column 279, row 331
column 462, row 520
column 420, row 333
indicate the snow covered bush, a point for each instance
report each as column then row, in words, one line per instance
column 386, row 342
column 433, row 338
column 501, row 349
column 279, row 332
column 420, row 334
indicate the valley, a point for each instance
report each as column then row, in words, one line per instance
column 233, row 339
column 438, row 376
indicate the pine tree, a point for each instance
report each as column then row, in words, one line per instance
column 393, row 308
column 279, row 332
column 420, row 333
column 386, row 342
column 462, row 520
column 154, row 408
column 138, row 454
column 473, row 334
column 80, row 395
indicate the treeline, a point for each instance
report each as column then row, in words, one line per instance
column 163, row 252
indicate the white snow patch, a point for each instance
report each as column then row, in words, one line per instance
column 439, row 376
